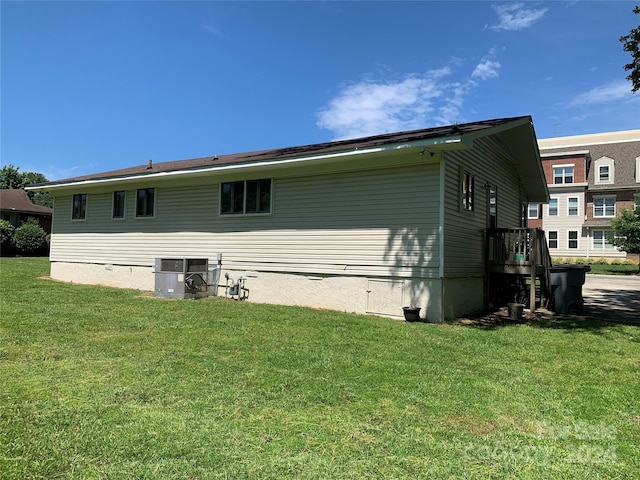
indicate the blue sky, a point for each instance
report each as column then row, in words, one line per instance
column 94, row 86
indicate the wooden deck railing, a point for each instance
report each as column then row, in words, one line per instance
column 519, row 251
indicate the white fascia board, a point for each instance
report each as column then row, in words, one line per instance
column 440, row 143
column 568, row 153
column 559, row 186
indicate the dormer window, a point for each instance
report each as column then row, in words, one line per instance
column 603, row 174
column 604, row 171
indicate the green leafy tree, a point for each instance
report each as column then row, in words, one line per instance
column 13, row 179
column 631, row 44
column 627, row 231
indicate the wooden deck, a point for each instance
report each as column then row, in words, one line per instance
column 515, row 258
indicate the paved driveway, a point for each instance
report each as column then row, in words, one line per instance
column 612, row 297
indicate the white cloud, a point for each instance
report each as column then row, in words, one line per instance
column 486, row 69
column 609, row 92
column 412, row 102
column 211, row 29
column 516, row 16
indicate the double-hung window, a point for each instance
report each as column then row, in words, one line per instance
column 603, row 174
column 572, row 236
column 572, row 206
column 245, row 197
column 553, row 207
column 563, row 174
column 533, row 211
column 552, row 239
column 79, row 206
column 604, row 206
column 603, row 240
column 145, row 202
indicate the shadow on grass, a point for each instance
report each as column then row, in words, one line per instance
column 593, row 318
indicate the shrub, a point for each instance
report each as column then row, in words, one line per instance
column 601, row 261
column 30, row 238
column 628, row 262
column 7, row 232
column 616, row 261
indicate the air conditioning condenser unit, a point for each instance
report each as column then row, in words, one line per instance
column 181, row 277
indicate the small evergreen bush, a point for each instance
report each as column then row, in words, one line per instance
column 30, row 238
column 7, row 232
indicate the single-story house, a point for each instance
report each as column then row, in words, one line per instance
column 366, row 225
column 16, row 207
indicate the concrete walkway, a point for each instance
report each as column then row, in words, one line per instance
column 612, row 297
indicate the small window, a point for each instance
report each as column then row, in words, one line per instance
column 605, row 170
column 145, row 202
column 604, row 206
column 118, row 204
column 603, row 174
column 562, row 175
column 603, row 240
column 467, row 191
column 572, row 206
column 553, row 207
column 245, row 197
column 493, row 207
column 573, row 239
column 637, row 169
column 533, row 211
column 552, row 239
column 79, row 207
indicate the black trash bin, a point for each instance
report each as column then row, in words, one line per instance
column 566, row 285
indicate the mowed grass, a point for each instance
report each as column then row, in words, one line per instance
column 107, row 383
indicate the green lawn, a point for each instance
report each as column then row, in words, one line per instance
column 614, row 269
column 107, row 383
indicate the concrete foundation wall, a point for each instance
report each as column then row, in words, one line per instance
column 356, row 294
column 462, row 296
column 120, row 276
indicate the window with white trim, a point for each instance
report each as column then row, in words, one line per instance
column 637, row 169
column 79, row 206
column 602, row 240
column 553, row 207
column 604, row 206
column 245, row 197
column 563, row 174
column 572, row 239
column 603, row 174
column 552, row 239
column 533, row 211
column 604, row 168
column 145, row 202
column 573, row 206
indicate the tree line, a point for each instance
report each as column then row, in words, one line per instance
column 11, row 178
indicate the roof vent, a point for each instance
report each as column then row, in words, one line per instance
column 150, row 165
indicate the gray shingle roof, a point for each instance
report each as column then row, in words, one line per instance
column 291, row 152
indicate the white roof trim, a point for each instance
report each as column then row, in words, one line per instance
column 442, row 142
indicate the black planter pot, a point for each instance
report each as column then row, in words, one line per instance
column 411, row 314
